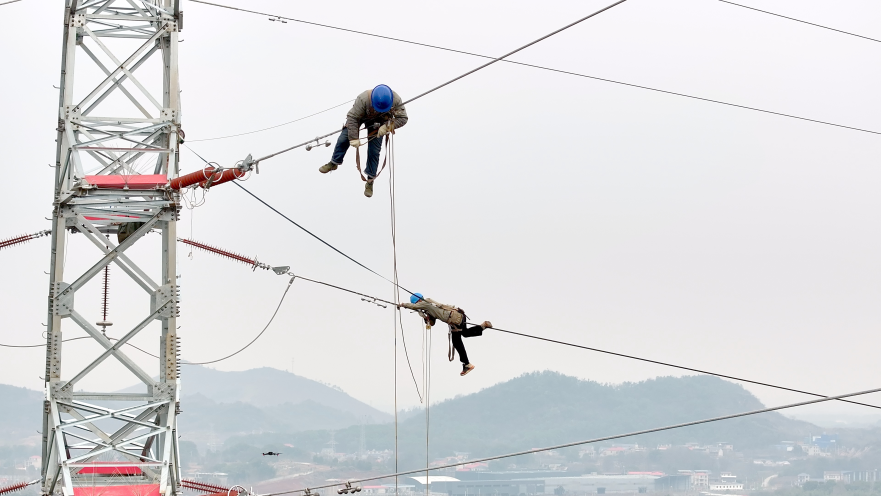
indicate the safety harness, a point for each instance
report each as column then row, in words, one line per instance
column 391, row 125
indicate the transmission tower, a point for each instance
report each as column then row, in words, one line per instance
column 118, row 134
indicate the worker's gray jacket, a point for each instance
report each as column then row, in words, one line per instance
column 444, row 313
column 362, row 113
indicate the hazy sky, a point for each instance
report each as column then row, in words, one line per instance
column 619, row 218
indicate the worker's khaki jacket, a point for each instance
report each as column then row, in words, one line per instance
column 444, row 313
column 362, row 113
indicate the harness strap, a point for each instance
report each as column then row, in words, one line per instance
column 384, row 160
column 451, row 352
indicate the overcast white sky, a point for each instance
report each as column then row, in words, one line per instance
column 580, row 210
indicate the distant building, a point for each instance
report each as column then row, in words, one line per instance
column 802, row 478
column 725, row 486
column 602, row 483
column 452, row 486
column 838, row 476
column 700, row 479
column 677, row 482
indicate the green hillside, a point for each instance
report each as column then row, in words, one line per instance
column 547, row 408
column 21, row 414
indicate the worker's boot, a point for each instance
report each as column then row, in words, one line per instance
column 368, row 188
column 468, row 367
column 330, row 166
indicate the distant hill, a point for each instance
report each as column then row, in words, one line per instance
column 547, row 408
column 205, row 421
column 218, row 404
column 20, row 415
column 268, row 408
column 268, row 387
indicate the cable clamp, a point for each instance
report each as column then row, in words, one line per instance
column 349, row 489
column 373, row 300
column 317, row 144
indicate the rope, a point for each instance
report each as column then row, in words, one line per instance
column 594, row 440
column 799, row 20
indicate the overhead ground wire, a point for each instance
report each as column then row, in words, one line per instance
column 271, row 127
column 667, row 364
column 801, row 21
column 472, row 71
column 570, row 73
column 512, row 52
column 591, row 441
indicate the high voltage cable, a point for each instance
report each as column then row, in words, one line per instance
column 9, row 2
column 590, row 441
column 472, row 71
column 301, row 227
column 798, row 20
column 540, row 338
column 560, row 71
column 355, row 31
column 316, row 237
column 277, row 308
column 182, row 363
column 512, row 52
column 666, row 364
column 573, row 345
column 272, row 127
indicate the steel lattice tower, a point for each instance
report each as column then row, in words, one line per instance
column 118, row 138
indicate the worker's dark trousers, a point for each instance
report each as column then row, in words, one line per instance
column 460, row 346
column 374, row 146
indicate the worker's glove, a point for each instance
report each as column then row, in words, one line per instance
column 355, row 142
column 383, row 130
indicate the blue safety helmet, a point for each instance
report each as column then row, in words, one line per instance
column 382, row 98
column 415, row 297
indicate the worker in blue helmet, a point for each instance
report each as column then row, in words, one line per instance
column 381, row 111
column 432, row 311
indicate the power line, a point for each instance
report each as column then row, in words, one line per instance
column 256, row 337
column 303, row 228
column 285, row 217
column 182, row 363
column 9, row 2
column 595, row 440
column 512, row 52
column 666, row 364
column 472, row 71
column 559, row 71
column 272, row 127
column 798, row 20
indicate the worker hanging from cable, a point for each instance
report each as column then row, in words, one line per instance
column 381, row 111
column 432, row 311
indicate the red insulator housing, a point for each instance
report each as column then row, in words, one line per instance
column 225, row 176
column 192, row 178
column 13, row 488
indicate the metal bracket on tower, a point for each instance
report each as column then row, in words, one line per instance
column 167, row 296
column 62, row 303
